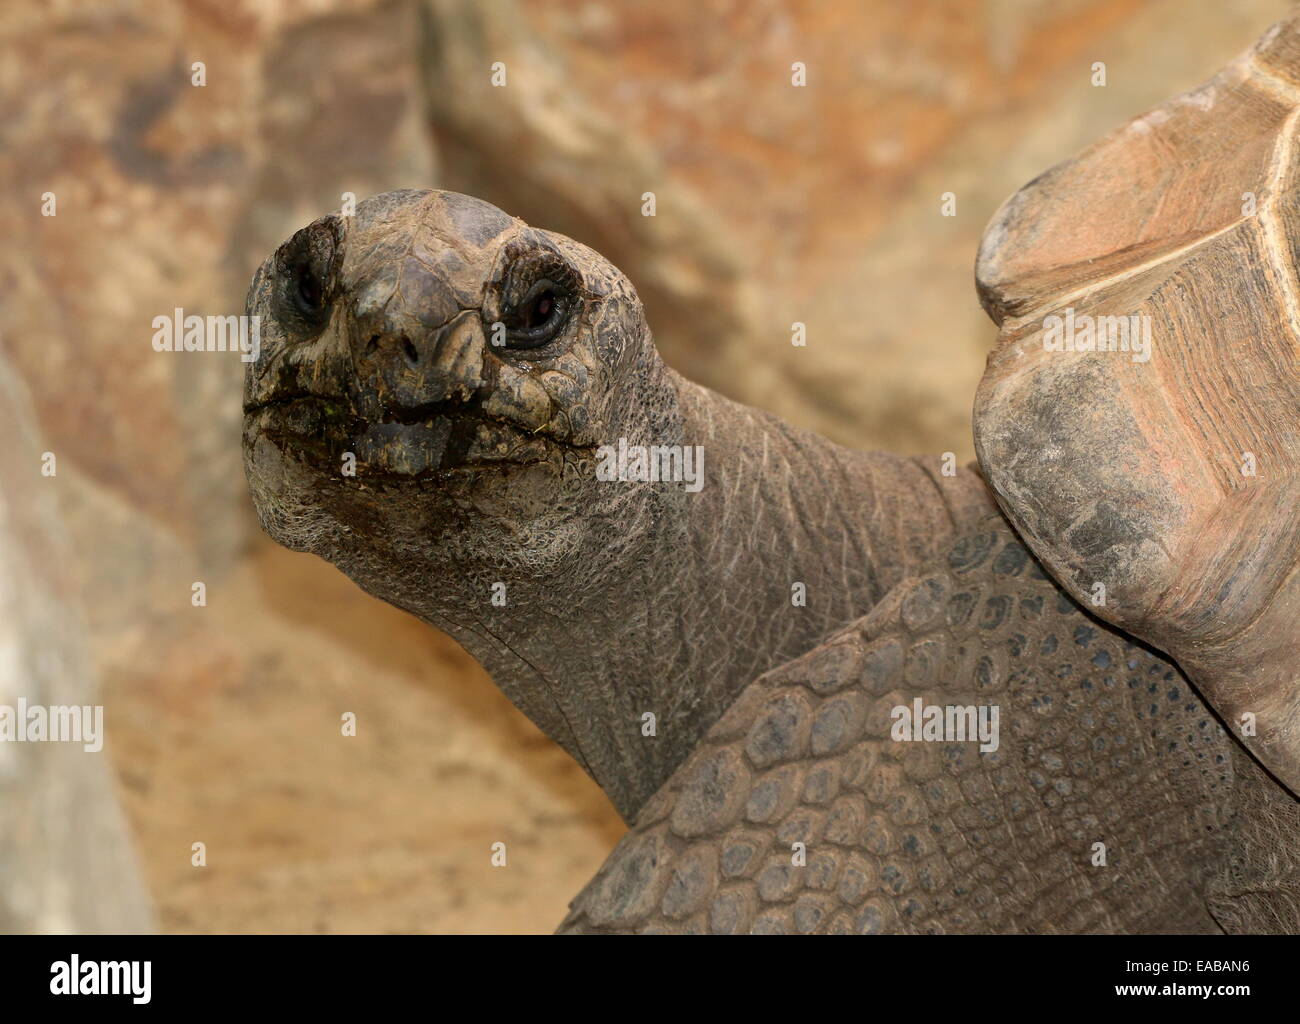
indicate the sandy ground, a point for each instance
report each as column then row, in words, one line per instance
column 239, row 747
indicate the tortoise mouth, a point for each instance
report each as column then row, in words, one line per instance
column 428, row 440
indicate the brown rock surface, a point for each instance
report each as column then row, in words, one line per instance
column 66, row 860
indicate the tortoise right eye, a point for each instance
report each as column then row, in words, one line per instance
column 309, row 292
column 305, row 268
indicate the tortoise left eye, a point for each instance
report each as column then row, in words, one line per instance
column 538, row 317
column 542, row 308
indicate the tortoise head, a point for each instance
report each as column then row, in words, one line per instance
column 1139, row 420
column 435, row 375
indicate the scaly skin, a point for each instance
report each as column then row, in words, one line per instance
column 1102, row 741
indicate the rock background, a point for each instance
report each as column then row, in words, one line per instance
column 66, row 862
column 775, row 204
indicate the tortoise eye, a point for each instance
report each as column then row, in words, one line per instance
column 305, row 268
column 310, row 294
column 542, row 308
column 538, row 316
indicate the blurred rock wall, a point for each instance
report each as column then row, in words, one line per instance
column 66, row 859
column 774, row 204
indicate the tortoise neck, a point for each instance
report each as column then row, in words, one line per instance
column 784, row 538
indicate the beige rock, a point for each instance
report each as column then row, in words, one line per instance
column 66, row 861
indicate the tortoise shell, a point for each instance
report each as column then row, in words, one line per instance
column 1139, row 419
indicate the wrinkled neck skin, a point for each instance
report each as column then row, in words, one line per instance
column 673, row 605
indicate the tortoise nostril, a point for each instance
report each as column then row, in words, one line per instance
column 408, row 350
